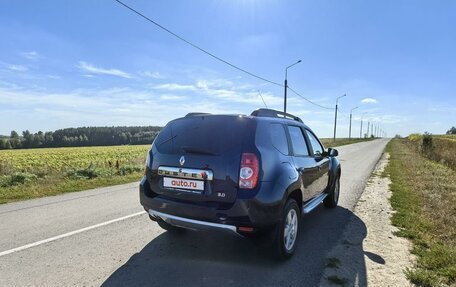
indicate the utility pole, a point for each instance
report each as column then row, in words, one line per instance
column 286, row 86
column 350, row 128
column 361, row 129
column 368, row 124
column 335, row 117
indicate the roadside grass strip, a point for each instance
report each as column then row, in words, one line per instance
column 424, row 198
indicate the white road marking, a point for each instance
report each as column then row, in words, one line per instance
column 27, row 246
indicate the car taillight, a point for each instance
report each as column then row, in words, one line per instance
column 147, row 163
column 248, row 174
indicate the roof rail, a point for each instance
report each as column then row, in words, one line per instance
column 274, row 114
column 196, row 114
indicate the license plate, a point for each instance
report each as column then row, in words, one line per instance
column 180, row 183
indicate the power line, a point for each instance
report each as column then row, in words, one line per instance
column 196, row 46
column 262, row 99
column 340, row 111
column 216, row 57
column 306, row 99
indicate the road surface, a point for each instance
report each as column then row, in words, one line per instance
column 102, row 237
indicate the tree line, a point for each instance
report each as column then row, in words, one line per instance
column 84, row 136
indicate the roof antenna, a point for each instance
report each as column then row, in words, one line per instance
column 262, row 99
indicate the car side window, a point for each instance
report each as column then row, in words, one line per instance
column 298, row 142
column 316, row 146
column 279, row 138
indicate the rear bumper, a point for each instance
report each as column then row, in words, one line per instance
column 191, row 223
column 260, row 212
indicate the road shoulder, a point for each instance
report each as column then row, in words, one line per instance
column 368, row 253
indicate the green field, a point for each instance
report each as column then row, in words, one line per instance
column 30, row 173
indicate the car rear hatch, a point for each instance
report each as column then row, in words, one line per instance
column 197, row 158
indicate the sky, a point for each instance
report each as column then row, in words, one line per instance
column 95, row 63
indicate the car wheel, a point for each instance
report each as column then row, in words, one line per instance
column 287, row 230
column 169, row 227
column 333, row 197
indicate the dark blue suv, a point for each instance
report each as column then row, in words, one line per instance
column 249, row 175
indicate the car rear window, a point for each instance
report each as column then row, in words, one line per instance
column 204, row 134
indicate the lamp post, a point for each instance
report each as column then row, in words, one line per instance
column 368, row 126
column 350, row 129
column 361, row 129
column 335, row 117
column 286, row 86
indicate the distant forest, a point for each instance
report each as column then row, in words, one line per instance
column 85, row 136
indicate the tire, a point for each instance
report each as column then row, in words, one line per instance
column 287, row 231
column 169, row 227
column 333, row 197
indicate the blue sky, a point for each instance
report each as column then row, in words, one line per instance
column 92, row 63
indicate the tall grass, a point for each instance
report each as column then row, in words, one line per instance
column 441, row 149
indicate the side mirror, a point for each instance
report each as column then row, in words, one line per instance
column 333, row 152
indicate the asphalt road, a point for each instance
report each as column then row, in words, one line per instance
column 101, row 237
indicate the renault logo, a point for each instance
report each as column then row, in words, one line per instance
column 182, row 160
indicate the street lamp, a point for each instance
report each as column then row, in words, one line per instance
column 350, row 129
column 335, row 117
column 361, row 129
column 286, row 86
column 368, row 126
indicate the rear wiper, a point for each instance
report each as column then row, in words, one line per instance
column 196, row 150
column 167, row 140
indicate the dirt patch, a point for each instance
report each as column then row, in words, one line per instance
column 368, row 253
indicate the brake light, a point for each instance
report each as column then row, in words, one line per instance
column 147, row 163
column 248, row 174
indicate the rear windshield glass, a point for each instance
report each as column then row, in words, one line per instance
column 204, row 135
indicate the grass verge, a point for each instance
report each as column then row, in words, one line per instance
column 55, row 186
column 424, row 197
column 328, row 142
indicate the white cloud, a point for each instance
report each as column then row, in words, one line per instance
column 369, row 101
column 223, row 90
column 176, row 87
column 172, row 97
column 32, row 55
column 87, row 67
column 442, row 109
column 154, row 75
column 17, row 68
